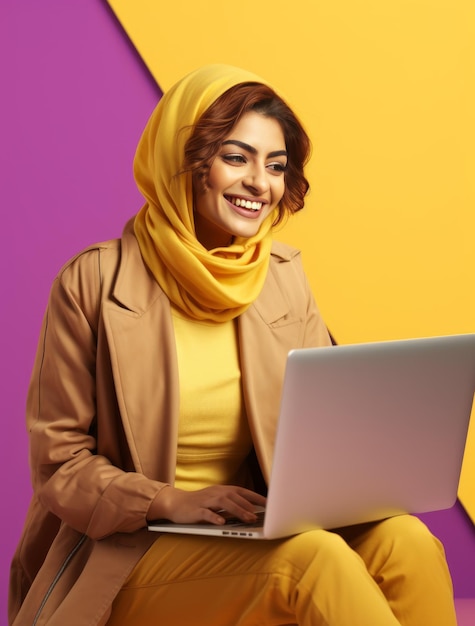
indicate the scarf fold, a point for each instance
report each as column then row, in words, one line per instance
column 217, row 284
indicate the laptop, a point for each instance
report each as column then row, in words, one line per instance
column 365, row 432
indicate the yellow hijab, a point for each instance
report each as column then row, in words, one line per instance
column 216, row 284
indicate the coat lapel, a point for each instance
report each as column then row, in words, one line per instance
column 267, row 331
column 141, row 341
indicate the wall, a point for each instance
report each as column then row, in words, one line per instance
column 75, row 97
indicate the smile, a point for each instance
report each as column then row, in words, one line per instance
column 245, row 204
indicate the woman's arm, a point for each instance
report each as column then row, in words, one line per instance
column 81, row 487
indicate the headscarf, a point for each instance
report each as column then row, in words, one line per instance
column 217, row 284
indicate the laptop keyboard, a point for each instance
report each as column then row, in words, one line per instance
column 235, row 522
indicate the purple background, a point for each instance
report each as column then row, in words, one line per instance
column 75, row 98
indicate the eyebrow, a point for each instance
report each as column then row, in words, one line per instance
column 251, row 149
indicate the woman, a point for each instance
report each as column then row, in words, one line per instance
column 155, row 393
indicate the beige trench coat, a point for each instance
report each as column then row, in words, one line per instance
column 102, row 415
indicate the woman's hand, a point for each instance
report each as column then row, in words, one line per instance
column 212, row 505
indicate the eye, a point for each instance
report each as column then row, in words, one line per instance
column 235, row 159
column 277, row 167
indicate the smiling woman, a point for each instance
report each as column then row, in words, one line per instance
column 245, row 182
column 155, row 394
column 212, row 129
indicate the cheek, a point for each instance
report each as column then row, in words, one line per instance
column 218, row 178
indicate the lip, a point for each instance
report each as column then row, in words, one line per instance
column 248, row 213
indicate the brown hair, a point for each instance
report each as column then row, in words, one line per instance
column 221, row 117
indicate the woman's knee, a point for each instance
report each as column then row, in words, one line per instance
column 318, row 547
column 409, row 533
column 403, row 541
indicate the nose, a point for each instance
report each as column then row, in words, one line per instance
column 256, row 180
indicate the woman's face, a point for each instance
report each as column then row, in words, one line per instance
column 245, row 184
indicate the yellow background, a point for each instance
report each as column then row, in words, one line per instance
column 386, row 90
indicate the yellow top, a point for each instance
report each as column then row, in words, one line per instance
column 213, row 434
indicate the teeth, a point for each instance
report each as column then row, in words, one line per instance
column 246, row 204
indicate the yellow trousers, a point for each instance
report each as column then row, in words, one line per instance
column 387, row 574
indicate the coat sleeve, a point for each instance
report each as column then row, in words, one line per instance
column 82, row 488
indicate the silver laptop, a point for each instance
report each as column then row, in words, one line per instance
column 365, row 432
